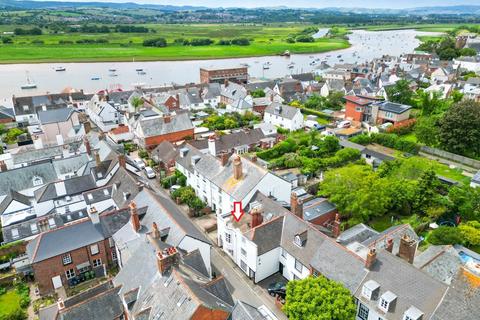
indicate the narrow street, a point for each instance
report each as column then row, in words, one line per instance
column 242, row 287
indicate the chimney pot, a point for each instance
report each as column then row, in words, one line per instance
column 389, row 246
column 257, row 218
column 166, row 259
column 237, row 167
column 224, row 158
column 88, row 147
column 98, row 162
column 371, row 258
column 407, row 248
column 336, row 226
column 134, row 218
column 155, row 231
column 122, row 161
column 296, row 205
column 3, row 166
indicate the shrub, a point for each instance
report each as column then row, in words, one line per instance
column 304, row 38
column 201, row 42
column 155, row 42
column 241, row 42
column 143, row 153
column 445, row 235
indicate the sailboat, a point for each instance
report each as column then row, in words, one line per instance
column 29, row 84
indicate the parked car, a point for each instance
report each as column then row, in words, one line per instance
column 344, row 124
column 150, row 173
column 139, row 163
column 277, row 289
column 174, row 188
column 328, row 133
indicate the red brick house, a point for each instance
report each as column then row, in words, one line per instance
column 71, row 254
column 355, row 107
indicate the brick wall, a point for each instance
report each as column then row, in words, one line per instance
column 151, row 142
column 45, row 270
column 351, row 113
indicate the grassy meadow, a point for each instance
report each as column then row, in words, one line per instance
column 264, row 40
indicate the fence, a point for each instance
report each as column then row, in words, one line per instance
column 451, row 156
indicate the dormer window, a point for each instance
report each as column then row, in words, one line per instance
column 370, row 290
column 387, row 301
column 300, row 239
column 37, row 181
column 413, row 314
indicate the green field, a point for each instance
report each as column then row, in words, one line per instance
column 265, row 40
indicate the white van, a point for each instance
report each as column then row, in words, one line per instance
column 344, row 124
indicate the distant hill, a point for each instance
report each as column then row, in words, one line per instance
column 29, row 4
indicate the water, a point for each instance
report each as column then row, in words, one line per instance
column 365, row 44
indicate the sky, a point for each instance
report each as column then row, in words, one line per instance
column 397, row 4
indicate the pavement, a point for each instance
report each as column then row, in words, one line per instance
column 241, row 286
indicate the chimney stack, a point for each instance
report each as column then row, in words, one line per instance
column 98, row 162
column 336, row 226
column 389, row 245
column 101, row 135
column 167, row 118
column 94, row 216
column 87, row 126
column 212, row 149
column 254, row 158
column 296, row 205
column 407, row 248
column 371, row 258
column 237, row 167
column 134, row 218
column 257, row 218
column 223, row 158
column 3, row 166
column 166, row 259
column 155, row 231
column 122, row 161
column 88, row 147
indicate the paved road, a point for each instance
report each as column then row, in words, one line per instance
column 242, row 288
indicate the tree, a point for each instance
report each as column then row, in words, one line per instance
column 445, row 235
column 400, row 92
column 426, row 130
column 459, row 128
column 465, row 201
column 318, row 299
column 470, row 232
column 430, row 102
column 357, row 192
column 426, row 195
column 155, row 42
column 259, row 93
column 137, row 102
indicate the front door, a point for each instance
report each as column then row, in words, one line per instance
column 280, row 268
column 57, row 282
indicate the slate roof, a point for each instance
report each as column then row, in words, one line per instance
column 441, row 262
column 156, row 126
column 54, row 116
column 309, row 76
column 73, row 186
column 412, row 287
column 6, row 113
column 20, row 179
column 32, row 104
column 164, row 152
column 316, row 208
column 244, row 311
column 14, row 196
column 284, row 111
column 267, row 236
column 262, row 85
column 348, row 144
column 462, row 299
column 71, row 164
column 76, row 235
column 101, row 302
column 225, row 143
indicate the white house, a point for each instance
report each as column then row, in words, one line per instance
column 104, row 114
column 284, row 116
column 469, row 63
column 221, row 182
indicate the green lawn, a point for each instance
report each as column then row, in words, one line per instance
column 9, row 302
column 265, row 40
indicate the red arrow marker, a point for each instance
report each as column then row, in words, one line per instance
column 237, row 211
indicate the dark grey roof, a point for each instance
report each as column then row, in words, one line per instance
column 101, row 302
column 347, row 144
column 284, row 111
column 377, row 155
column 441, row 262
column 68, row 238
column 54, row 116
column 14, row 196
column 123, row 187
column 225, row 143
column 73, row 186
column 304, row 76
column 412, row 287
column 357, row 233
column 155, row 126
column 32, row 104
column 393, row 107
column 97, row 195
column 22, row 178
column 462, row 299
column 267, row 236
column 164, row 152
column 260, row 85
column 316, row 208
column 6, row 113
column 195, row 261
column 244, row 311
column 73, row 236
column 24, row 228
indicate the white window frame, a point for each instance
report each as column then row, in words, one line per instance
column 97, row 262
column 228, row 237
column 66, row 259
column 298, row 263
column 111, row 243
column 94, row 249
column 70, row 273
column 114, row 255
